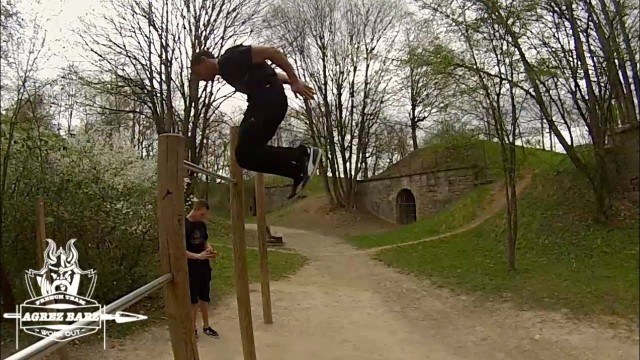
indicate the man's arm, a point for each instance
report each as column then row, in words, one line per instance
column 283, row 77
column 262, row 53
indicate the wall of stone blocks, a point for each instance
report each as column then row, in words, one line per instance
column 276, row 197
column 433, row 191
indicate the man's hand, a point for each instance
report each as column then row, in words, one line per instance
column 207, row 254
column 304, row 90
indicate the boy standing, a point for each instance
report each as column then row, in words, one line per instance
column 199, row 252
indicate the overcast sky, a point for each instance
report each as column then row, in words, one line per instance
column 61, row 19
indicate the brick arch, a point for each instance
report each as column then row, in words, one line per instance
column 405, row 207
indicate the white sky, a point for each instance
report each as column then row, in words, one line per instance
column 61, row 18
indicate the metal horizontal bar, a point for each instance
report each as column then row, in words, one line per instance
column 49, row 345
column 199, row 169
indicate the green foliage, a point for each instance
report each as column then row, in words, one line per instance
column 95, row 191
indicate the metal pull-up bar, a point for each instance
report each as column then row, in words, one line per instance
column 193, row 167
column 51, row 344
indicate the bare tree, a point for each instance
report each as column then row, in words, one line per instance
column 146, row 47
column 569, row 50
column 430, row 93
column 336, row 45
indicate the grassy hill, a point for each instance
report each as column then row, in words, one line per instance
column 565, row 260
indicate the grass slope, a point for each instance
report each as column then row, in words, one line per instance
column 467, row 208
column 564, row 259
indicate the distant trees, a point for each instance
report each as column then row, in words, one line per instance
column 569, row 63
column 340, row 47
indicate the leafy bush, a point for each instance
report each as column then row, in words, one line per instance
column 96, row 191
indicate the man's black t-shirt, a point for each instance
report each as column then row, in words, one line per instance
column 197, row 236
column 238, row 70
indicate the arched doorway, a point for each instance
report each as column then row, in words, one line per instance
column 252, row 206
column 405, row 207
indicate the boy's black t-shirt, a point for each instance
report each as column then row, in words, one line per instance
column 196, row 236
column 238, row 70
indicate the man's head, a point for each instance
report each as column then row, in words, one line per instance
column 200, row 211
column 204, row 65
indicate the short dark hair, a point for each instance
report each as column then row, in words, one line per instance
column 200, row 204
column 197, row 57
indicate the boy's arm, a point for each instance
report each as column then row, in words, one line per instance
column 191, row 255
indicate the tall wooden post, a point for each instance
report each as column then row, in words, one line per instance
column 262, row 248
column 41, row 236
column 173, row 255
column 239, row 253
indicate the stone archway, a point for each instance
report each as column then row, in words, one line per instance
column 252, row 206
column 405, row 207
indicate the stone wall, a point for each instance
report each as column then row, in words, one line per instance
column 276, row 197
column 623, row 152
column 433, row 191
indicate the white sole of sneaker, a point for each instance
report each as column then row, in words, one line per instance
column 314, row 167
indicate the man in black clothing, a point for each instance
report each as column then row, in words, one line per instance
column 245, row 68
column 199, row 252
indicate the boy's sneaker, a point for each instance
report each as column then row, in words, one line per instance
column 209, row 331
column 309, row 165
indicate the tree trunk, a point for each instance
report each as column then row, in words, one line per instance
column 6, row 290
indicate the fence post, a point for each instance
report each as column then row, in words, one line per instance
column 173, row 257
column 262, row 248
column 239, row 253
column 41, row 236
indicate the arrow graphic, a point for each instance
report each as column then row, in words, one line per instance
column 119, row 317
column 122, row 317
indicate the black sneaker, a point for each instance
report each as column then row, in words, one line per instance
column 308, row 167
column 209, row 331
column 295, row 188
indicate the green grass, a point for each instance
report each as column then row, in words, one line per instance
column 564, row 259
column 281, row 264
column 315, row 185
column 468, row 208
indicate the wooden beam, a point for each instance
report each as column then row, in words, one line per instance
column 41, row 236
column 173, row 255
column 262, row 248
column 239, row 253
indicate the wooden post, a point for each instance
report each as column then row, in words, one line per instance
column 41, row 236
column 262, row 247
column 40, row 231
column 173, row 255
column 241, row 275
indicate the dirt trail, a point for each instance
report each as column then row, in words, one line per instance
column 356, row 308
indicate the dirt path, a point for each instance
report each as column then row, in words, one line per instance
column 356, row 308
